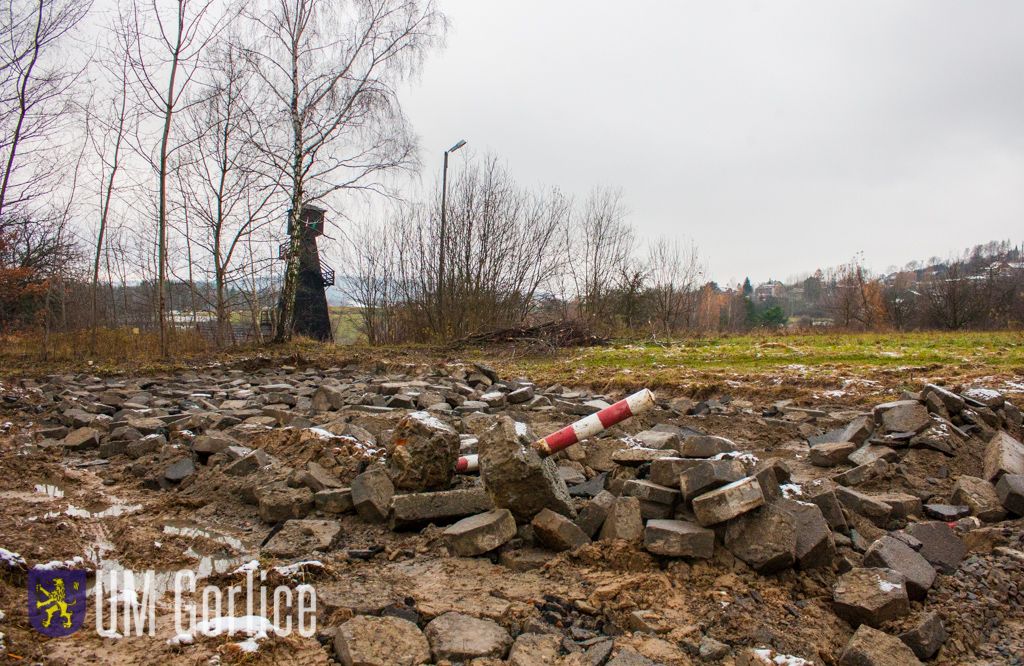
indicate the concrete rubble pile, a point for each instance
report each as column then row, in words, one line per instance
column 674, row 491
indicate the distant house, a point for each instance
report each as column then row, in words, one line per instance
column 769, row 290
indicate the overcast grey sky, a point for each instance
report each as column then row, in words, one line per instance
column 782, row 136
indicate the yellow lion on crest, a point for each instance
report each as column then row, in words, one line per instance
column 55, row 602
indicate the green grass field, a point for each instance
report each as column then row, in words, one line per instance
column 854, row 363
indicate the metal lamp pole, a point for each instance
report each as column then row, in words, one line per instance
column 444, row 236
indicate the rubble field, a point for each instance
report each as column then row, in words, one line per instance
column 434, row 531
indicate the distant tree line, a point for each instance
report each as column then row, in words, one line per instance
column 149, row 184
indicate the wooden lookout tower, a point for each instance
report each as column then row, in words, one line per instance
column 311, row 317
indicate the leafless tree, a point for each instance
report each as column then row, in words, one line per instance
column 599, row 245
column 331, row 119
column 675, row 271
column 220, row 182
column 36, row 104
column 955, row 298
column 166, row 43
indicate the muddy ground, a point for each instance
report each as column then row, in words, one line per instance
column 59, row 505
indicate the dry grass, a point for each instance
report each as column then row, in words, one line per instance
column 847, row 367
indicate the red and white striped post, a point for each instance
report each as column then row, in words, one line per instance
column 639, row 402
column 467, row 464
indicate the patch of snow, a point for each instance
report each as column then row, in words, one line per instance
column 297, row 567
column 251, row 565
column 835, row 393
column 522, row 430
column 982, row 393
column 742, row 456
column 181, row 639
column 11, row 559
column 77, row 560
column 886, row 586
column 790, row 490
column 430, row 421
column 321, row 433
column 766, row 656
column 256, row 626
column 248, row 645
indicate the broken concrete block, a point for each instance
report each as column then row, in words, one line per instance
column 600, row 452
column 81, row 439
column 984, row 397
column 870, row 596
column 764, row 539
column 380, row 641
column 462, row 638
column 953, row 403
column 939, row 545
column 869, row 453
column 821, row 493
column 278, row 502
column 926, row 637
column 891, row 553
column 728, row 501
column 666, row 471
column 557, row 532
column 902, row 416
column 301, row 537
column 532, row 649
column 862, row 473
column 422, row 453
column 947, row 512
column 636, row 456
column 334, row 500
column 589, row 488
column 815, row 546
column 248, row 463
column 709, row 475
column 901, row 505
column 517, row 478
column 647, row 491
column 521, row 395
column 1010, row 490
column 870, row 647
column 678, row 538
column 658, row 439
column 327, row 397
column 211, row 443
column 594, row 512
column 980, row 496
column 180, row 469
column 481, row 533
column 705, row 446
column 371, row 495
column 440, row 508
column 857, row 431
column 1003, row 455
column 769, row 482
column 623, row 520
column 831, row 454
column 873, row 509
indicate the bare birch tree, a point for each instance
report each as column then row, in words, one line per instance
column 331, row 116
column 166, row 43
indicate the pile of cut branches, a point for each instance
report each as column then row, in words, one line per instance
column 552, row 334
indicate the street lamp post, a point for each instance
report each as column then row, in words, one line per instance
column 444, row 236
